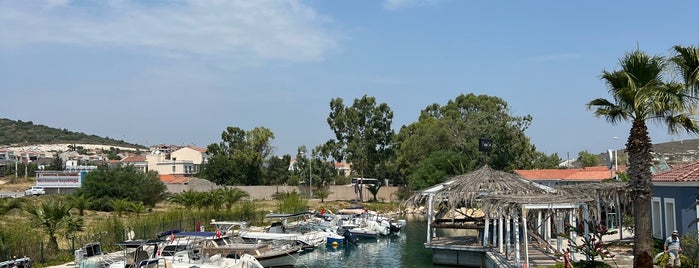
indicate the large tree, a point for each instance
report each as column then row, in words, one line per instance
column 587, row 159
column 639, row 94
column 363, row 134
column 456, row 127
column 276, row 171
column 121, row 182
column 238, row 158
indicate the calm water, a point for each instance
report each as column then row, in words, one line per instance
column 404, row 250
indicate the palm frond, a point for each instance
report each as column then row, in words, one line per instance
column 686, row 62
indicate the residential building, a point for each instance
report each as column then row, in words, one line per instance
column 137, row 161
column 674, row 204
column 197, row 155
column 167, row 165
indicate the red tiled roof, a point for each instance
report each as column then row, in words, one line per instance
column 179, row 179
column 132, row 159
column 596, row 173
column 684, row 173
column 198, row 149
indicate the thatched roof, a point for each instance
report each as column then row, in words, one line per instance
column 467, row 189
column 606, row 191
column 486, row 181
column 493, row 189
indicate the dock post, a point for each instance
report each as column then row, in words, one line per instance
column 429, row 218
column 515, row 220
column 500, row 230
column 526, row 237
column 486, row 231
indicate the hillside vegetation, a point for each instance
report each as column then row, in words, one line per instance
column 19, row 132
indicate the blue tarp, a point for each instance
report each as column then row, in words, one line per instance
column 204, row 234
column 168, row 232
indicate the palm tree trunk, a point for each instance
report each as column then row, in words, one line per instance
column 639, row 148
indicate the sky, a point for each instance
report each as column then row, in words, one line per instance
column 181, row 71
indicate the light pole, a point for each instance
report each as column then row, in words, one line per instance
column 310, row 178
column 616, row 161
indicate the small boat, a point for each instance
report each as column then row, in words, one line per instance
column 227, row 242
column 180, row 253
column 335, row 239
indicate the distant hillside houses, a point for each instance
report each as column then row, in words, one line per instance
column 174, row 163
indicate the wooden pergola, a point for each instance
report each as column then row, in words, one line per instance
column 506, row 199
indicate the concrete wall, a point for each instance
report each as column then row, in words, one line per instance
column 337, row 192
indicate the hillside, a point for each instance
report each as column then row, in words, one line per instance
column 18, row 132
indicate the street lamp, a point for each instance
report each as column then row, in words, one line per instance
column 310, row 179
column 616, row 160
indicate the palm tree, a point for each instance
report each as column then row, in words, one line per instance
column 79, row 202
column 232, row 195
column 322, row 193
column 53, row 216
column 120, row 205
column 7, row 204
column 686, row 61
column 138, row 208
column 374, row 190
column 640, row 94
column 188, row 199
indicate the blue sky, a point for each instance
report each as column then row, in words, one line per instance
column 180, row 72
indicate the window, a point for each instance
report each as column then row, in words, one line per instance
column 669, row 215
column 657, row 222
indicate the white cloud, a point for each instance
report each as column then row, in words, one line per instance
column 257, row 30
column 394, row 5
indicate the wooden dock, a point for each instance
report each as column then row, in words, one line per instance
column 468, row 251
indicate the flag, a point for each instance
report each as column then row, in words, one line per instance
column 172, row 237
column 218, row 233
column 322, row 211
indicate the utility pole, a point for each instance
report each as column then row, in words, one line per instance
column 616, row 161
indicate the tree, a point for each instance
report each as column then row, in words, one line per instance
column 437, row 167
column 120, row 205
column 79, row 202
column 137, row 208
column 53, row 216
column 640, row 94
column 239, row 157
column 276, row 171
column 188, row 199
column 586, row 159
column 232, row 195
column 151, row 189
column 363, row 134
column 7, row 204
column 108, row 183
column 322, row 193
column 457, row 127
column 374, row 190
column 56, row 163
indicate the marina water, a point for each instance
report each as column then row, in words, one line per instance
column 406, row 249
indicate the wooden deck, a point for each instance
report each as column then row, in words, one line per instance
column 538, row 257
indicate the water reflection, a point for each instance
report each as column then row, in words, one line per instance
column 406, row 249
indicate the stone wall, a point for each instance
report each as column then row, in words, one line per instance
column 337, row 192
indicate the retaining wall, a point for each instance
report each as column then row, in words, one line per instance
column 336, row 192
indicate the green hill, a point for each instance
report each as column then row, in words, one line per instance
column 18, row 132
